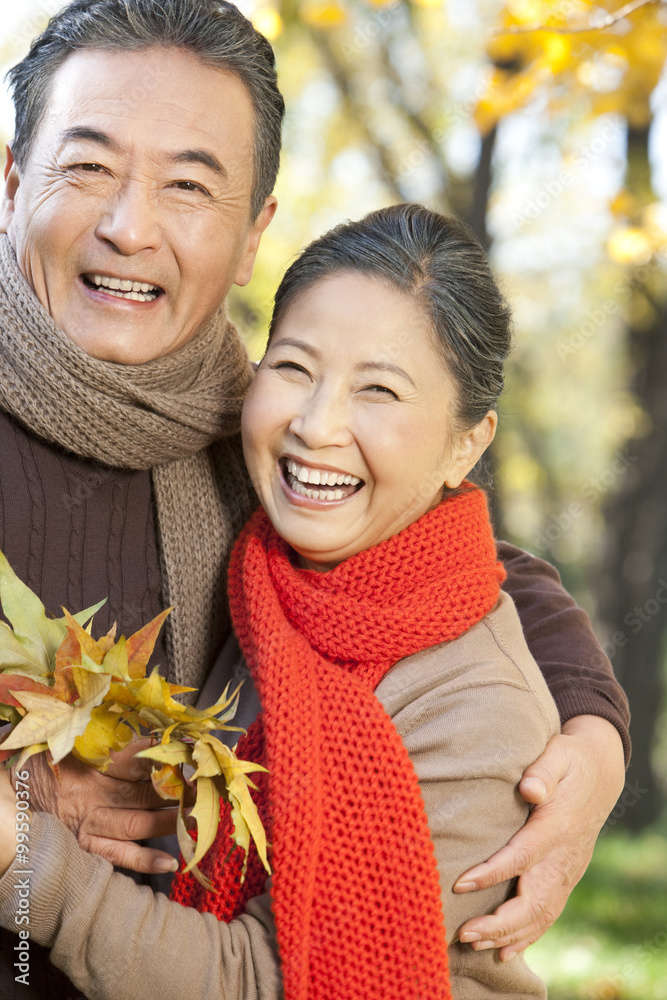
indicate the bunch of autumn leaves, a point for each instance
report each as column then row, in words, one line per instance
column 64, row 691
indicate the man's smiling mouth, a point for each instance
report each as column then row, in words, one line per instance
column 123, row 288
column 313, row 483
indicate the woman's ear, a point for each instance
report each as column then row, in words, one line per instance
column 469, row 449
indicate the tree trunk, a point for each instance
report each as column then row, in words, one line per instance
column 633, row 584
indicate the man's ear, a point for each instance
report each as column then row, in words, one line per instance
column 470, row 448
column 245, row 268
column 11, row 187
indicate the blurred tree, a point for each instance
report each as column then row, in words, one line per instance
column 396, row 72
column 615, row 68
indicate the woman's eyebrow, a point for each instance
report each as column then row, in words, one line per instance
column 385, row 366
column 292, row 342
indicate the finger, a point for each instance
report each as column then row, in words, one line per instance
column 514, row 920
column 131, row 856
column 539, row 781
column 130, row 824
column 508, row 953
column 512, row 860
column 126, row 766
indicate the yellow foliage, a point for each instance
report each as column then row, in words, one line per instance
column 99, row 697
column 631, row 245
column 323, row 14
column 269, row 22
column 614, row 70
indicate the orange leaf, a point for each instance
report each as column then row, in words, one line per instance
column 168, row 782
column 87, row 643
column 107, row 641
column 69, row 650
column 140, row 645
column 19, row 682
column 65, row 687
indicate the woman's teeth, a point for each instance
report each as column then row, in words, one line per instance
column 315, row 494
column 320, row 477
column 136, row 291
column 301, row 479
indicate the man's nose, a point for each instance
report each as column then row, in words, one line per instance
column 323, row 420
column 130, row 221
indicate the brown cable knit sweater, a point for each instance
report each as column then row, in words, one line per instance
column 76, row 531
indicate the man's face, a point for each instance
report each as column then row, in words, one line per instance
column 131, row 219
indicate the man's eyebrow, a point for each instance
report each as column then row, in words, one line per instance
column 200, row 156
column 90, row 134
column 183, row 156
column 385, row 366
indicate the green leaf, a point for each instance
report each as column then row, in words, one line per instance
column 38, row 635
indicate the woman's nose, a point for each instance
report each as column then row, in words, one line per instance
column 322, row 421
column 129, row 222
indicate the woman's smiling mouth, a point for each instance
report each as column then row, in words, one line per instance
column 312, row 483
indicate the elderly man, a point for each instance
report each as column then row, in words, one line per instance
column 138, row 187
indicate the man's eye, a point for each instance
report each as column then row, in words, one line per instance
column 94, row 168
column 190, row 186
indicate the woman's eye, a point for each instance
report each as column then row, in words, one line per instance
column 93, row 168
column 289, row 366
column 381, row 390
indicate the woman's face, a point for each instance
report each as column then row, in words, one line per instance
column 349, row 427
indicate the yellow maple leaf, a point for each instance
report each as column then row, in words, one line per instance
column 55, row 722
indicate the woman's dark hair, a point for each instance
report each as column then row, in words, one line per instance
column 214, row 30
column 438, row 261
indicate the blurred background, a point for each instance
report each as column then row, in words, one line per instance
column 544, row 125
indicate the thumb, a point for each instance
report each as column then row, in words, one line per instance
column 539, row 781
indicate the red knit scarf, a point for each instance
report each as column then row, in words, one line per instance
column 356, row 895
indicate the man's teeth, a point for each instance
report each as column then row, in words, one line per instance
column 136, row 291
column 321, row 477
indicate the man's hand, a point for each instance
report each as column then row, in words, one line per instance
column 107, row 812
column 574, row 786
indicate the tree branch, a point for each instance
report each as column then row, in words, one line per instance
column 606, row 22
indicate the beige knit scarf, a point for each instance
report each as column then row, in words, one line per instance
column 178, row 416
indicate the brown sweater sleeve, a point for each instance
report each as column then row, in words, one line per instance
column 560, row 637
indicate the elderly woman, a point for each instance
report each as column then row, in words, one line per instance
column 392, row 695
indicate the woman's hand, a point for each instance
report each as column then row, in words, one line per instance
column 107, row 813
column 574, row 786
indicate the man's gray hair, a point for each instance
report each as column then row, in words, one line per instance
column 214, row 30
